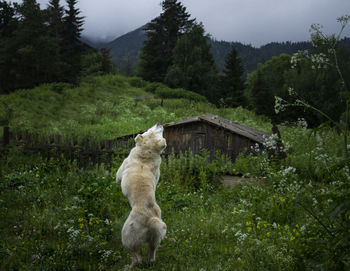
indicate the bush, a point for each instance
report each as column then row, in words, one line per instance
column 60, row 86
column 179, row 93
column 151, row 87
column 249, row 165
column 195, row 172
column 137, row 82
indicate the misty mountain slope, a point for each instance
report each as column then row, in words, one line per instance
column 125, row 49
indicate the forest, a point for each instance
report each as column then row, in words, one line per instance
column 287, row 213
column 43, row 46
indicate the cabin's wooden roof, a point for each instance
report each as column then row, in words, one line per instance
column 234, row 127
column 251, row 133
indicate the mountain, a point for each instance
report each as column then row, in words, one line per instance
column 124, row 50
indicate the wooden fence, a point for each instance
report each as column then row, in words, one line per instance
column 87, row 152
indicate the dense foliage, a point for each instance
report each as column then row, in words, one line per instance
column 313, row 77
column 177, row 52
column 232, row 82
column 163, row 33
column 40, row 46
column 193, row 66
column 178, row 93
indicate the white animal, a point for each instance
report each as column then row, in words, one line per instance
column 139, row 175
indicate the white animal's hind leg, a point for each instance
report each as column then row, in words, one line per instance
column 136, row 260
column 152, row 254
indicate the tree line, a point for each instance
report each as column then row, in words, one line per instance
column 43, row 45
column 177, row 53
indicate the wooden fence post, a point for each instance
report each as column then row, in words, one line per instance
column 88, row 152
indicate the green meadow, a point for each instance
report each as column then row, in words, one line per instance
column 288, row 215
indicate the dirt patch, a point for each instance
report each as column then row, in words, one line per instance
column 233, row 181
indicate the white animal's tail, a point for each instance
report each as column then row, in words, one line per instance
column 158, row 228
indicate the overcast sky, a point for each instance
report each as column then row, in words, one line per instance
column 255, row 22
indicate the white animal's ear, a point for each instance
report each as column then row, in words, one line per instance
column 138, row 138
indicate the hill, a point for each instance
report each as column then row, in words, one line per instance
column 124, row 50
column 104, row 107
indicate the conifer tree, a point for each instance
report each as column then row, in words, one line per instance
column 73, row 23
column 193, row 65
column 55, row 19
column 127, row 66
column 106, row 63
column 7, row 13
column 8, row 24
column 259, row 96
column 55, row 14
column 73, row 47
column 31, row 46
column 163, row 33
column 232, row 83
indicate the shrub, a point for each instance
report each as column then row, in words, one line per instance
column 137, row 82
column 179, row 93
column 195, row 172
column 151, row 87
column 249, row 165
column 60, row 86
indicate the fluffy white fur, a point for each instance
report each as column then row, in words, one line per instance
column 139, row 175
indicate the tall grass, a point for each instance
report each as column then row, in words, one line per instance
column 57, row 216
column 290, row 215
column 102, row 107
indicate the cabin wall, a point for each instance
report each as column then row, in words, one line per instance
column 196, row 136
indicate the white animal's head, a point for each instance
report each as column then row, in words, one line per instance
column 152, row 139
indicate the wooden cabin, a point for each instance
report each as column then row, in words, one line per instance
column 212, row 133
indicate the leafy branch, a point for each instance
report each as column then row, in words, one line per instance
column 320, row 61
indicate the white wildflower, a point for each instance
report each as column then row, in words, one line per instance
column 73, row 232
column 302, row 123
column 280, row 104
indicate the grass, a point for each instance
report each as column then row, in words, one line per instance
column 55, row 216
column 101, row 107
column 291, row 215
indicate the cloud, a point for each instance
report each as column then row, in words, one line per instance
column 261, row 21
column 113, row 18
column 255, row 22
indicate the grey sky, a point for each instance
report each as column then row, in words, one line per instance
column 255, row 22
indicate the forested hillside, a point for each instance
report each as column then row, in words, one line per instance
column 125, row 49
column 43, row 45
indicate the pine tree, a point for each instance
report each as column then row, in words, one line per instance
column 106, row 63
column 163, row 33
column 193, row 65
column 55, row 14
column 32, row 47
column 259, row 96
column 73, row 47
column 73, row 23
column 232, row 83
column 8, row 24
column 127, row 66
column 55, row 19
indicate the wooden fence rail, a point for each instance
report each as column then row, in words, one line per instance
column 87, row 152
